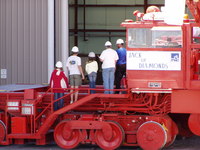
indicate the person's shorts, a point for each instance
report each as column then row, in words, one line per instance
column 75, row 80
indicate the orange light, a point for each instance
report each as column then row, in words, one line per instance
column 186, row 16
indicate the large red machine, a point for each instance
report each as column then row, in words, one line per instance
column 160, row 101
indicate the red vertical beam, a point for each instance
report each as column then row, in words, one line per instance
column 145, row 5
column 194, row 8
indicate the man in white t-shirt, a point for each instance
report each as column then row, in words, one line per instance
column 75, row 72
column 109, row 58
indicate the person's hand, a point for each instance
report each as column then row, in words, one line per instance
column 83, row 77
column 67, row 90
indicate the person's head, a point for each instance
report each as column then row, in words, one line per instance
column 75, row 50
column 108, row 44
column 91, row 56
column 59, row 65
column 120, row 43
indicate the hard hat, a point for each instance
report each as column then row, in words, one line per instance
column 91, row 54
column 59, row 64
column 108, row 43
column 75, row 49
column 120, row 41
column 152, row 9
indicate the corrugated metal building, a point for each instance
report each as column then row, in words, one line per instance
column 23, row 41
column 24, row 32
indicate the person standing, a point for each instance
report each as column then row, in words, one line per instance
column 91, row 68
column 109, row 58
column 75, row 72
column 58, row 80
column 121, row 64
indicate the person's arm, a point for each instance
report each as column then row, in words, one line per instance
column 101, row 58
column 96, row 66
column 116, row 57
column 66, row 79
column 67, row 65
column 51, row 80
column 86, row 68
column 81, row 71
column 80, row 68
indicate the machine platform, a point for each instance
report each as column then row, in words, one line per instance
column 19, row 87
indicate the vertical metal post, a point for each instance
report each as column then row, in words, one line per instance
column 110, row 36
column 64, row 33
column 76, row 23
column 50, row 37
column 84, row 20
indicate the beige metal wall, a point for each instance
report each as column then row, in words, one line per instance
column 58, row 50
column 23, row 41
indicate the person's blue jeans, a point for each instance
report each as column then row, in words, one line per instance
column 92, row 81
column 59, row 104
column 108, row 79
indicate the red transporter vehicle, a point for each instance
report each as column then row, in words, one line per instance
column 162, row 98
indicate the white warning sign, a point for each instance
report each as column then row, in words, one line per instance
column 154, row 60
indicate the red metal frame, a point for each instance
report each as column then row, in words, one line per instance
column 42, row 118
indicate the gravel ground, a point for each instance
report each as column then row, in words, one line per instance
column 192, row 143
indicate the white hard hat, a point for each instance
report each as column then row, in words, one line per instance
column 108, row 43
column 120, row 41
column 91, row 54
column 59, row 64
column 75, row 49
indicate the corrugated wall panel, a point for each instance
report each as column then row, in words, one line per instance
column 14, row 70
column 32, row 40
column 27, row 44
column 58, row 51
column 3, row 36
column 57, row 30
column 20, row 41
column 44, row 41
column 9, row 38
column 38, row 49
column 23, row 41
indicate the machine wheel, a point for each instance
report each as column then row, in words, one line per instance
column 171, row 142
column 66, row 138
column 2, row 131
column 151, row 136
column 173, row 135
column 193, row 123
column 115, row 141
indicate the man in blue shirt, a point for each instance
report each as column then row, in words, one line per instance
column 121, row 64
